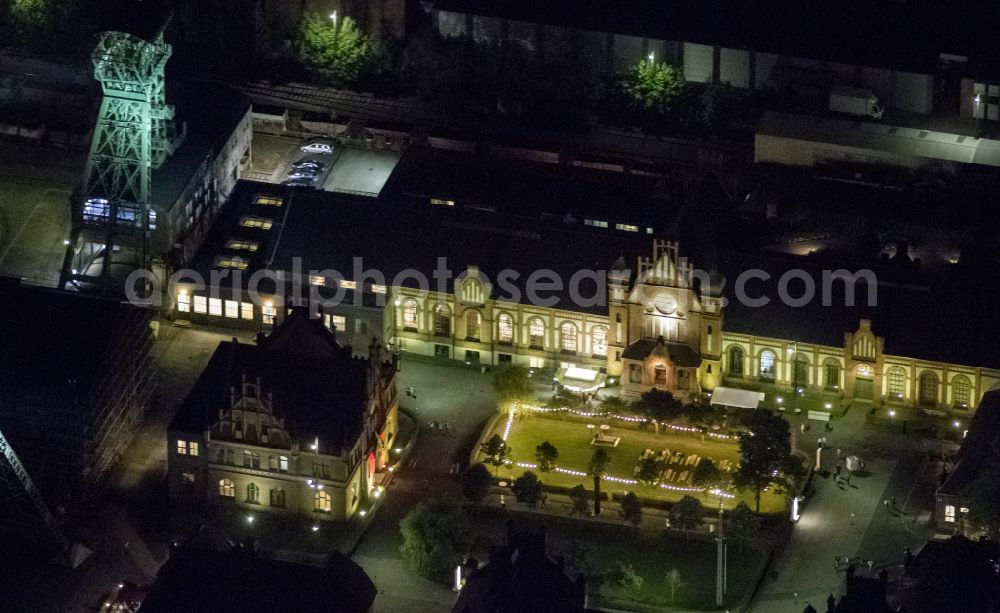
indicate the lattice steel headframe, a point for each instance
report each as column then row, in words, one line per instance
column 112, row 217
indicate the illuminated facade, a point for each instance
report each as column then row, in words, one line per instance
column 293, row 425
column 664, row 323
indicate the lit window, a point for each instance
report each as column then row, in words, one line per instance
column 267, row 313
column 241, row 244
column 505, row 328
column 600, row 341
column 567, row 333
column 200, row 304
column 227, row 489
column 897, row 379
column 264, row 200
column 96, row 209
column 319, row 280
column 960, row 391
column 472, row 322
column 378, row 289
column 182, row 447
column 152, row 219
column 338, row 322
column 283, row 463
column 348, row 284
column 597, row 223
column 252, row 221
column 949, row 513
column 649, row 230
column 626, row 227
column 215, row 306
column 193, row 448
column 184, row 302
column 410, row 314
column 659, row 375
column 322, row 502
column 246, row 310
column 536, row 333
column 442, row 320
column 232, row 309
column 235, row 261
column 767, row 365
column 442, row 202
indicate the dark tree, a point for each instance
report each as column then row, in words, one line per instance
column 580, row 499
column 659, row 406
column 649, row 471
column 983, row 493
column 476, row 482
column 435, row 537
column 512, row 384
column 631, row 509
column 546, row 455
column 687, row 514
column 706, row 475
column 623, row 577
column 741, row 523
column 597, row 469
column 527, row 488
column 495, row 451
column 765, row 453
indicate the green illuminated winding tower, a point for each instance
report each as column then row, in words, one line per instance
column 112, row 216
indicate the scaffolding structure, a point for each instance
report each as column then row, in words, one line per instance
column 112, row 212
column 120, row 397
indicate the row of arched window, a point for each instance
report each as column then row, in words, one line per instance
column 569, row 336
column 322, row 501
column 927, row 385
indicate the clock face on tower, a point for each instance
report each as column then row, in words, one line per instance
column 665, row 304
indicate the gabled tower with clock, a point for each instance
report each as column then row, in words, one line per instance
column 666, row 324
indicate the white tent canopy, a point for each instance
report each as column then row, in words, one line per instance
column 732, row 397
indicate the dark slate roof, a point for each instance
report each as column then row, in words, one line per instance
column 983, row 433
column 328, row 230
column 947, row 317
column 520, row 577
column 893, row 34
column 238, row 579
column 316, row 385
column 530, row 189
column 678, row 353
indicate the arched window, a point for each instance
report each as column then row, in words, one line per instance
column 505, row 329
column 897, row 382
column 472, row 322
column 410, row 320
column 767, row 365
column 600, row 336
column 567, row 337
column 227, row 489
column 277, row 497
column 961, row 391
column 736, row 361
column 832, row 370
column 442, row 320
column 253, row 493
column 322, row 502
column 536, row 333
column 801, row 375
column 928, row 389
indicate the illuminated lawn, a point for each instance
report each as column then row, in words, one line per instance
column 572, row 438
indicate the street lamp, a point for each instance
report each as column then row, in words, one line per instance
column 333, row 17
column 652, row 54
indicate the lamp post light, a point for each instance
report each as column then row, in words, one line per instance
column 651, row 56
column 333, row 18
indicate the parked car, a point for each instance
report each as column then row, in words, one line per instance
column 321, row 148
column 319, row 166
column 299, row 183
column 303, row 174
